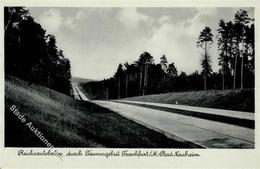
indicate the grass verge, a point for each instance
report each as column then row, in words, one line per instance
column 67, row 122
column 240, row 100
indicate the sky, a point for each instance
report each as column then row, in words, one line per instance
column 96, row 40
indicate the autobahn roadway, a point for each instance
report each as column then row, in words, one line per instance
column 205, row 132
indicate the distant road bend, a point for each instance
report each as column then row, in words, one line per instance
column 206, row 132
column 78, row 94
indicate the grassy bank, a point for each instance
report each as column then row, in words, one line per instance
column 67, row 122
column 242, row 100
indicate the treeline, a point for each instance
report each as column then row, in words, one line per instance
column 236, row 44
column 236, row 51
column 236, row 59
column 146, row 77
column 31, row 54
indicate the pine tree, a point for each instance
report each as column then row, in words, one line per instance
column 204, row 42
column 241, row 19
column 223, row 46
column 164, row 63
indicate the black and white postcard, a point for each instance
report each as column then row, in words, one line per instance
column 130, row 84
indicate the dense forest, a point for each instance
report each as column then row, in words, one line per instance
column 31, row 54
column 235, row 41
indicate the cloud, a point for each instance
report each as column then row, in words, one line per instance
column 178, row 40
column 69, row 22
column 97, row 39
column 80, row 15
column 171, row 39
column 164, row 19
column 204, row 17
column 52, row 20
column 131, row 18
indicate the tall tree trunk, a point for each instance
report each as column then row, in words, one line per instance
column 235, row 71
column 147, row 66
column 223, row 78
column 118, row 89
column 205, row 82
column 205, row 73
column 230, row 54
column 223, row 73
column 126, row 85
column 145, row 78
column 242, row 66
column 224, row 66
column 107, row 93
column 141, row 78
column 103, row 91
column 143, row 89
